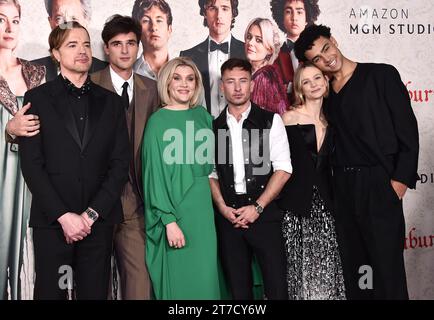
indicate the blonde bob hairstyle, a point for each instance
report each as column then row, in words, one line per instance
column 165, row 76
column 298, row 91
column 270, row 37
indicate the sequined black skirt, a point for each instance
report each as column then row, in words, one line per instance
column 314, row 270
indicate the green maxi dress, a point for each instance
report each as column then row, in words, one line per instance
column 15, row 201
column 177, row 159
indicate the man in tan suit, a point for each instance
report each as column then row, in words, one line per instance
column 121, row 36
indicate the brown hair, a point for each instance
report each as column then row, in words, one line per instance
column 141, row 6
column 203, row 4
column 59, row 34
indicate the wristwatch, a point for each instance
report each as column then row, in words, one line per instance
column 258, row 208
column 92, row 215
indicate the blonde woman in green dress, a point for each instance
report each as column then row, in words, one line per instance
column 181, row 244
column 16, row 77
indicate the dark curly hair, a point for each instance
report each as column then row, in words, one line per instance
column 204, row 3
column 307, row 38
column 310, row 6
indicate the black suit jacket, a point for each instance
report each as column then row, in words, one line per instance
column 51, row 68
column 65, row 174
column 199, row 54
column 377, row 107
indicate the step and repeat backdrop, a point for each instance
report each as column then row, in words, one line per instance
column 397, row 32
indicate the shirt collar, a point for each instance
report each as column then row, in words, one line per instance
column 118, row 81
column 244, row 115
column 77, row 92
column 143, row 65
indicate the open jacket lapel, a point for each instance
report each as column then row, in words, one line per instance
column 59, row 101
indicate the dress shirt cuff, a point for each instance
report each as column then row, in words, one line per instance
column 282, row 165
column 213, row 174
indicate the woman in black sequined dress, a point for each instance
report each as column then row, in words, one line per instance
column 314, row 264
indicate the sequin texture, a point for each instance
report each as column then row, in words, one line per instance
column 314, row 270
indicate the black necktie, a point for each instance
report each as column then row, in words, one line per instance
column 125, row 98
column 223, row 47
column 289, row 45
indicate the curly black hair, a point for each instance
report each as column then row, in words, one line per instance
column 307, row 38
column 204, row 3
column 311, row 8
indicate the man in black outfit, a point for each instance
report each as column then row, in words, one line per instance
column 61, row 11
column 75, row 168
column 374, row 162
column 252, row 166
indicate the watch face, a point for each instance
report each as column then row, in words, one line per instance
column 258, row 208
column 91, row 215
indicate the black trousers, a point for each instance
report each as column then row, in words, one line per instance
column 89, row 259
column 371, row 233
column 236, row 249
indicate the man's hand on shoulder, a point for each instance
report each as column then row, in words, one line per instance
column 23, row 125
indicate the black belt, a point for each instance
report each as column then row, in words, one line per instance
column 347, row 169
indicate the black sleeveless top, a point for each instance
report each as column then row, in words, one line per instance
column 309, row 168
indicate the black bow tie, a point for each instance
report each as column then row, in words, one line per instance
column 223, row 47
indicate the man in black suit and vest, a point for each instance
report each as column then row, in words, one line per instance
column 374, row 162
column 121, row 36
column 252, row 166
column 60, row 11
column 75, row 168
column 219, row 17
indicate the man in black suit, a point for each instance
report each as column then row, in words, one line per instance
column 374, row 162
column 76, row 168
column 60, row 11
column 209, row 56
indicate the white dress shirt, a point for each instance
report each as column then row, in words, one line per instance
column 142, row 67
column 215, row 61
column 279, row 149
column 118, row 82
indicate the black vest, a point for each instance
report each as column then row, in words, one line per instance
column 257, row 164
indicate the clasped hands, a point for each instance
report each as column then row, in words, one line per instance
column 75, row 226
column 241, row 217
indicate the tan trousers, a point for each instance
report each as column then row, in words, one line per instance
column 129, row 248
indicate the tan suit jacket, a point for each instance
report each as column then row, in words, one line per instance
column 129, row 238
column 146, row 102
